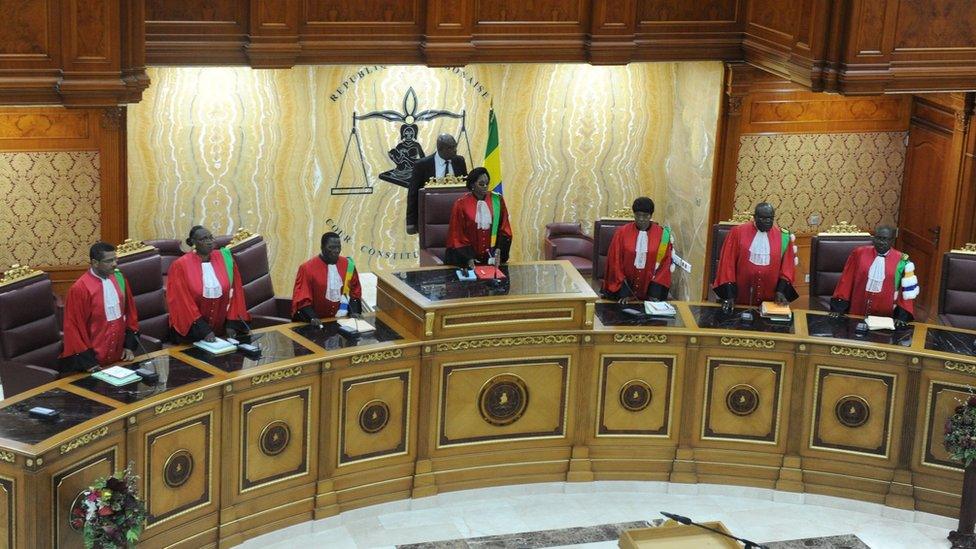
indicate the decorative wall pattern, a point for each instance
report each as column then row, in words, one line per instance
column 273, row 150
column 854, row 177
column 51, row 205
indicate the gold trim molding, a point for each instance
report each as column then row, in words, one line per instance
column 130, row 247
column 429, row 324
column 507, row 342
column 447, row 181
column 242, row 235
column 84, row 440
column 588, row 313
column 738, row 219
column 640, row 338
column 748, row 342
column 178, row 403
column 9, row 457
column 277, row 375
column 378, row 355
column 858, row 353
column 844, row 228
column 621, row 214
column 967, row 248
column 16, row 273
column 962, row 367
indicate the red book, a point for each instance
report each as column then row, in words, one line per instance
column 488, row 272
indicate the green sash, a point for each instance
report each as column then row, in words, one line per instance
column 496, row 215
column 662, row 247
column 900, row 271
column 350, row 267
column 229, row 264
column 785, row 237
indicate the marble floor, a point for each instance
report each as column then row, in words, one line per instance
column 757, row 514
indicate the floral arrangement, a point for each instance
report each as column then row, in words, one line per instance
column 960, row 432
column 109, row 512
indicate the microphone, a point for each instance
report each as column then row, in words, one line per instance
column 747, row 315
column 688, row 522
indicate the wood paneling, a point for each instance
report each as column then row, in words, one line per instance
column 196, row 32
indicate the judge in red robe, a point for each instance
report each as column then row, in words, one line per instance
column 321, row 287
column 204, row 300
column 757, row 263
column 101, row 325
column 639, row 261
column 877, row 280
column 469, row 235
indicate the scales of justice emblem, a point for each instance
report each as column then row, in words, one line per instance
column 403, row 155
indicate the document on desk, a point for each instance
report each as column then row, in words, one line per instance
column 356, row 325
column 487, row 272
column 880, row 323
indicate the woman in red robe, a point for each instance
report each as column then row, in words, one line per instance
column 479, row 225
column 204, row 291
column 639, row 260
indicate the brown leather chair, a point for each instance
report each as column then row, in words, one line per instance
column 434, row 217
column 142, row 266
column 957, row 289
column 169, row 251
column 250, row 253
column 567, row 241
column 30, row 340
column 603, row 231
column 222, row 240
column 828, row 254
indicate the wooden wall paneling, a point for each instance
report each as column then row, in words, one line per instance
column 30, row 36
column 91, row 50
column 612, row 37
column 674, row 29
column 380, row 31
column 448, row 39
column 544, row 30
column 133, row 49
column 274, row 26
column 196, row 32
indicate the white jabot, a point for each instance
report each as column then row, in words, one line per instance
column 442, row 167
column 211, row 286
column 759, row 249
column 334, row 290
column 876, row 275
column 640, row 250
column 113, row 310
column 482, row 216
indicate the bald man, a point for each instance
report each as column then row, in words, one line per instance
column 445, row 161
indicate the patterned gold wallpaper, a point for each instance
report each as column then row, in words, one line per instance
column 275, row 150
column 854, row 177
column 51, row 205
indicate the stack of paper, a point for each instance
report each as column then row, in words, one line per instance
column 216, row 347
column 356, row 325
column 117, row 375
column 774, row 311
column 880, row 323
column 659, row 308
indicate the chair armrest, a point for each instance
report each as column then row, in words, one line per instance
column 282, row 307
column 149, row 343
column 262, row 321
column 549, row 249
column 18, row 377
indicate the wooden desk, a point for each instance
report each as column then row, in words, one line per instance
column 321, row 426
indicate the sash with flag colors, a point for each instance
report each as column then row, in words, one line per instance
column 493, row 155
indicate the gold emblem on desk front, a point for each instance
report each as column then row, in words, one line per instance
column 374, row 416
column 503, row 399
column 635, row 395
column 178, row 468
column 742, row 399
column 852, row 411
column 275, row 438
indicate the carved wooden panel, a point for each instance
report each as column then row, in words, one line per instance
column 196, row 31
column 67, row 484
column 517, row 399
column 90, row 37
column 275, row 443
column 940, row 402
column 228, row 11
column 17, row 126
column 26, row 30
column 935, row 24
column 636, row 395
column 798, row 112
column 179, row 469
column 8, row 524
column 363, row 11
column 682, row 11
column 775, row 17
column 743, row 399
column 542, row 11
column 374, row 416
column 853, row 411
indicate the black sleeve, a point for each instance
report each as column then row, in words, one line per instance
column 459, row 256
column 504, row 245
column 238, row 326
column 355, row 305
column 838, row 305
column 657, row 291
column 726, row 291
column 902, row 314
column 460, row 166
column 81, row 362
column 784, row 287
column 199, row 330
column 305, row 314
column 621, row 293
column 131, row 340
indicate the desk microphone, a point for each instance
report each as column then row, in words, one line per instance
column 746, row 315
column 688, row 522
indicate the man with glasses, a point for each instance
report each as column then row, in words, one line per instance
column 877, row 280
column 639, row 262
column 101, row 326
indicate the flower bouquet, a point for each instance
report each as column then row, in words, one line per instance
column 960, row 432
column 109, row 512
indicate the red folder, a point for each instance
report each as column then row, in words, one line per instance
column 488, row 272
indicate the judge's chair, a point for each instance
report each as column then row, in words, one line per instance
column 250, row 253
column 720, row 231
column 169, row 251
column 567, row 241
column 142, row 266
column 434, row 204
column 957, row 289
column 829, row 251
column 603, row 231
column 30, row 340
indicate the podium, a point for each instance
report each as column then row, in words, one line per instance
column 672, row 535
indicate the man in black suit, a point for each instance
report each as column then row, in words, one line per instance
column 445, row 161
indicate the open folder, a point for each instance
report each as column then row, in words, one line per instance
column 488, row 272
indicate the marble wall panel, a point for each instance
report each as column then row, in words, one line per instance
column 274, row 151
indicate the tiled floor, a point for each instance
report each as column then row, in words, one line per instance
column 757, row 514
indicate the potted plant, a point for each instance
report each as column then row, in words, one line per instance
column 109, row 513
column 960, row 442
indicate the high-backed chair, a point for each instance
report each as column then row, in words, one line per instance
column 222, row 240
column 434, row 203
column 720, row 231
column 957, row 288
column 141, row 265
column 30, row 340
column 250, row 252
column 829, row 251
column 169, row 251
column 567, row 241
column 603, row 231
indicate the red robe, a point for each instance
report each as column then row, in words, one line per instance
column 851, row 286
column 312, row 281
column 85, row 326
column 464, row 232
column 735, row 268
column 620, row 263
column 184, row 294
